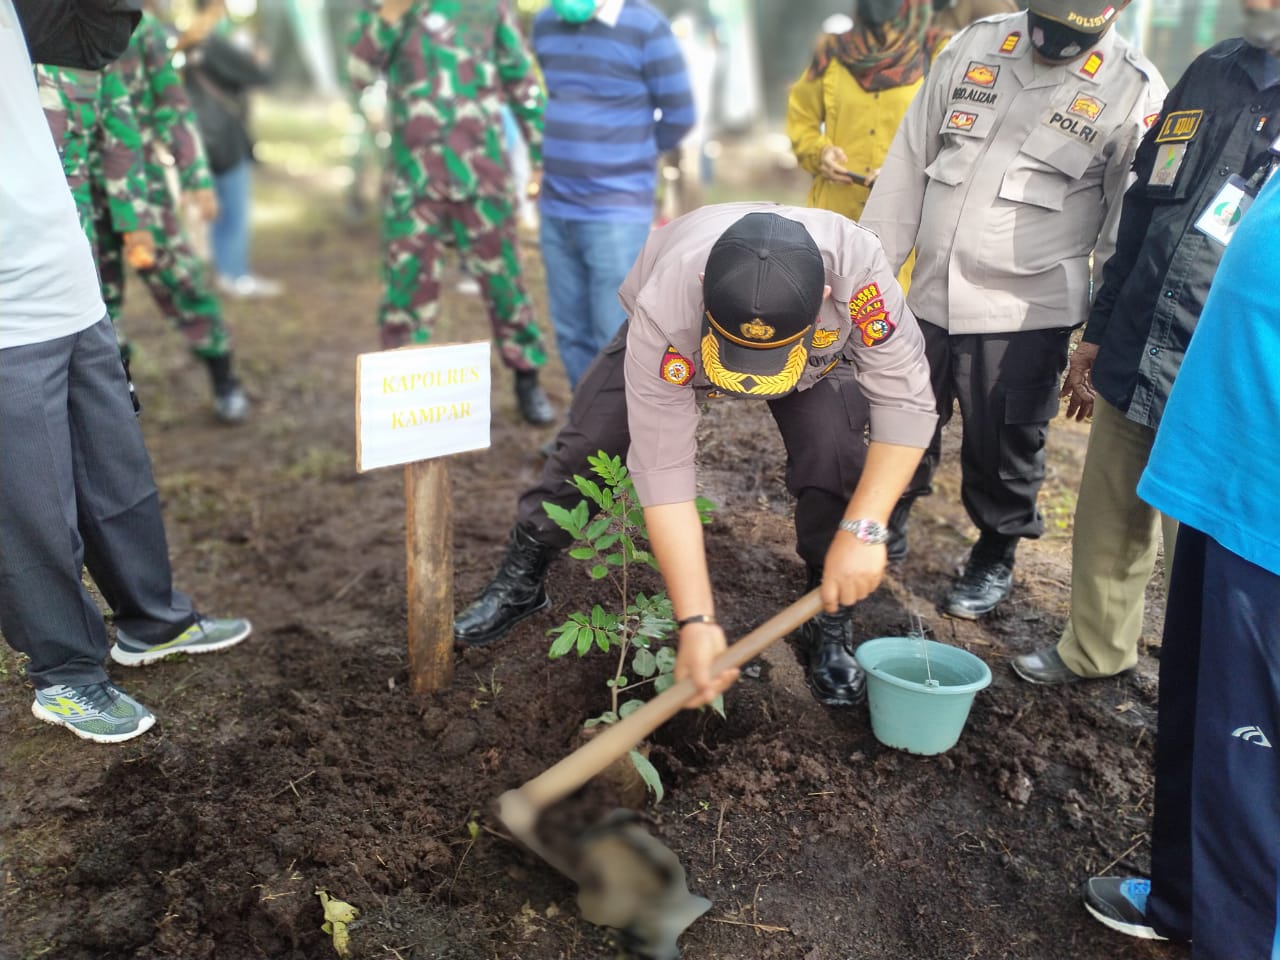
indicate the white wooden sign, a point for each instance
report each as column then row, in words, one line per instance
column 417, row 403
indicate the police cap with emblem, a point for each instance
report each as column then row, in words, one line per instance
column 762, row 288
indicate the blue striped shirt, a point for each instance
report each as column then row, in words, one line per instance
column 617, row 97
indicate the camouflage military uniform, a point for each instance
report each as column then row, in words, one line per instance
column 449, row 65
column 179, row 283
column 97, row 137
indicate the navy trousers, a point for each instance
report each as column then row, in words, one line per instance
column 76, row 491
column 1215, row 840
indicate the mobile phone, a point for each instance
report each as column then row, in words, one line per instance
column 854, row 178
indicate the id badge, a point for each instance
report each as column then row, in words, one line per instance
column 1220, row 218
column 1169, row 157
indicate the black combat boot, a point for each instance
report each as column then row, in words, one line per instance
column 987, row 579
column 827, row 640
column 230, row 405
column 516, row 591
column 532, row 400
column 896, row 545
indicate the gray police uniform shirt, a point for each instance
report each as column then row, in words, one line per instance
column 864, row 322
column 1007, row 175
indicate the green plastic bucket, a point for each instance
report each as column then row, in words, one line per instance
column 908, row 711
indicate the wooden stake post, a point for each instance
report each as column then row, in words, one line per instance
column 414, row 406
column 428, row 543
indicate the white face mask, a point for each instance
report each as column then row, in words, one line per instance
column 1262, row 30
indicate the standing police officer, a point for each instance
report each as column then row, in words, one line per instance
column 1006, row 176
column 797, row 307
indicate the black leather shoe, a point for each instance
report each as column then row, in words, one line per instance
column 834, row 675
column 1043, row 666
column 985, row 583
column 532, row 399
column 896, row 545
column 516, row 591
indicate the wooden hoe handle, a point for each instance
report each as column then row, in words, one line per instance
column 523, row 804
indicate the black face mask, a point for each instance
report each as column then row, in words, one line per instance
column 1056, row 41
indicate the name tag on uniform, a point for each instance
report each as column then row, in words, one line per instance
column 1221, row 217
column 1169, row 157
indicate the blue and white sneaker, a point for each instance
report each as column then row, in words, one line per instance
column 1121, row 904
column 204, row 636
column 99, row 711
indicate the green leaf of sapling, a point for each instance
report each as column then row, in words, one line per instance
column 649, row 774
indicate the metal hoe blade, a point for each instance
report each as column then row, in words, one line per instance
column 632, row 882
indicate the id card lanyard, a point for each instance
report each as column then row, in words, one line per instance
column 1219, row 219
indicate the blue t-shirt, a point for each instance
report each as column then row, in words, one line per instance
column 1215, row 464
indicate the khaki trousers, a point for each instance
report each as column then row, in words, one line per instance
column 1113, row 548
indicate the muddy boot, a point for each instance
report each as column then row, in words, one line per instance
column 987, row 578
column 532, row 400
column 896, row 545
column 827, row 640
column 230, row 405
column 516, row 591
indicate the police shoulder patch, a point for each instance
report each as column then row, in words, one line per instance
column 868, row 313
column 1009, row 45
column 1091, row 65
column 676, row 367
column 961, row 120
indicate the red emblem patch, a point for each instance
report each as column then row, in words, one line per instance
column 1010, row 43
column 961, row 120
column 676, row 367
column 1149, row 119
column 867, row 311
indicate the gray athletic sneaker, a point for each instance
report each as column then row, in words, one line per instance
column 203, row 636
column 99, row 711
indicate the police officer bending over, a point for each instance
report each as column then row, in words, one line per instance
column 794, row 306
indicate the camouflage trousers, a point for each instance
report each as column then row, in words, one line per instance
column 179, row 282
column 483, row 230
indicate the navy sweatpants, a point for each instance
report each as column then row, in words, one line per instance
column 1215, row 841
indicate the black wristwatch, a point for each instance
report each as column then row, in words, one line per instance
column 868, row 531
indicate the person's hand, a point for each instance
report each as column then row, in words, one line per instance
column 872, row 176
column 851, row 571
column 139, row 249
column 206, row 203
column 831, row 164
column 392, row 10
column 1077, row 385
column 533, row 188
column 700, row 643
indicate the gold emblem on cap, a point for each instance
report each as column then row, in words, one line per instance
column 752, row 384
column 757, row 329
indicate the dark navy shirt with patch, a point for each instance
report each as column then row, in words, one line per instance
column 1155, row 283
